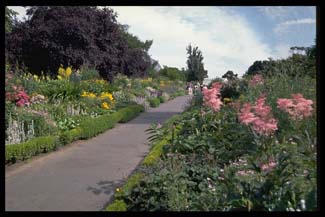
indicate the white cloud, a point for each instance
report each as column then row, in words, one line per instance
column 225, row 39
column 276, row 12
column 20, row 10
column 283, row 27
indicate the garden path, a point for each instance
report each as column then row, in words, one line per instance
column 84, row 175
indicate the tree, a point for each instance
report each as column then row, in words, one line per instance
column 73, row 36
column 230, row 75
column 195, row 66
column 9, row 19
column 133, row 41
column 172, row 73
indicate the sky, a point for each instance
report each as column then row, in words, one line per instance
column 229, row 37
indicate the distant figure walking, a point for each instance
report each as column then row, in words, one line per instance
column 190, row 89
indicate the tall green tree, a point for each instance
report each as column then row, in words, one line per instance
column 195, row 66
column 133, row 41
column 9, row 19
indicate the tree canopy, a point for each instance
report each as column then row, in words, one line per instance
column 9, row 19
column 195, row 66
column 74, row 36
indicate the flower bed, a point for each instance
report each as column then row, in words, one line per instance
column 88, row 128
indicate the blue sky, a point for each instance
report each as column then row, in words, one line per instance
column 230, row 38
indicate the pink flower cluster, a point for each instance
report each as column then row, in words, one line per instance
column 256, row 80
column 298, row 107
column 268, row 166
column 212, row 96
column 261, row 119
column 22, row 98
column 19, row 96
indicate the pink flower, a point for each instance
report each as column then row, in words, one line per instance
column 212, row 96
column 297, row 107
column 262, row 121
column 269, row 166
column 245, row 115
column 256, row 80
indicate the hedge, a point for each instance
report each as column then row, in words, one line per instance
column 130, row 112
column 26, row 150
column 88, row 128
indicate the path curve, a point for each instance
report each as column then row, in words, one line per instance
column 83, row 176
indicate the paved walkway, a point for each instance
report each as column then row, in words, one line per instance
column 83, row 177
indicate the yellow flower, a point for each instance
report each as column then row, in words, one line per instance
column 86, row 94
column 106, row 95
column 105, row 105
column 92, row 95
column 100, row 81
column 226, row 100
column 68, row 72
column 117, row 190
column 59, row 77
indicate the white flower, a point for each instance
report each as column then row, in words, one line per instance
column 303, row 204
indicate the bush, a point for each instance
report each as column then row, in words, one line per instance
column 26, row 150
column 118, row 205
column 88, row 74
column 93, row 126
column 161, row 99
column 130, row 112
column 67, row 137
column 154, row 102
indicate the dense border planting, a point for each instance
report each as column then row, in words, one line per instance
column 88, row 128
column 155, row 153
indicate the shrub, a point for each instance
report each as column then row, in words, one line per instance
column 118, row 205
column 130, row 112
column 67, row 137
column 93, row 126
column 26, row 150
column 154, row 102
column 161, row 99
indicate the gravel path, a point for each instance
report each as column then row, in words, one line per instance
column 84, row 175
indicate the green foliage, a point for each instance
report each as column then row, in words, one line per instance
column 133, row 41
column 87, row 128
column 24, row 151
column 154, row 102
column 293, row 66
column 161, row 99
column 69, row 136
column 203, row 165
column 195, row 66
column 41, row 126
column 9, row 19
column 172, row 73
column 89, row 74
column 130, row 112
column 118, row 205
column 67, row 124
column 132, row 181
column 60, row 90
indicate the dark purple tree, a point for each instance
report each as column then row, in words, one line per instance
column 73, row 36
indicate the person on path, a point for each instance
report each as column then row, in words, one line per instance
column 190, row 89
